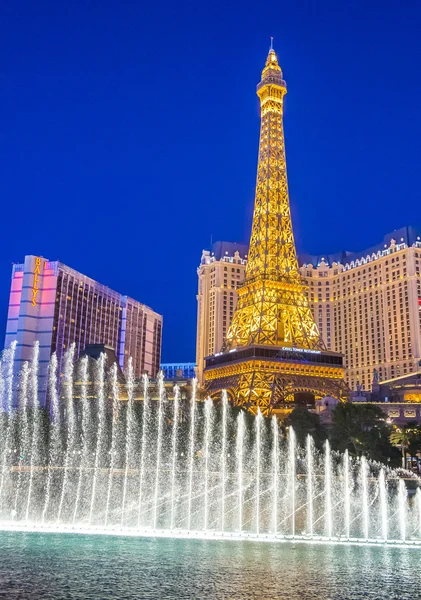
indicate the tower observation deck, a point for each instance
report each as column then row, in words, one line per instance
column 274, row 350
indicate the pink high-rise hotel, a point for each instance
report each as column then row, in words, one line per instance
column 57, row 306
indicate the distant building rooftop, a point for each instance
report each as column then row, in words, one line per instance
column 221, row 249
column 179, row 370
column 404, row 235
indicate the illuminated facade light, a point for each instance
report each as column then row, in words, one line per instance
column 37, row 273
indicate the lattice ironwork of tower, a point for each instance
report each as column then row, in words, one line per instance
column 274, row 349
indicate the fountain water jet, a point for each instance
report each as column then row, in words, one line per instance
column 191, row 454
column 383, row 503
column 208, row 433
column 54, row 454
column 347, row 495
column 36, row 426
column 71, row 424
column 114, row 437
column 364, row 490
column 86, row 425
column 258, row 445
column 87, row 478
column 402, row 504
column 292, row 451
column 25, row 437
column 275, row 474
column 161, row 393
column 239, row 458
column 174, row 453
column 9, row 357
column 100, row 441
column 309, row 461
column 328, row 490
column 145, row 422
column 418, row 502
column 223, row 455
column 130, row 434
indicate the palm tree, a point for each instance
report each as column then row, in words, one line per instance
column 304, row 422
column 401, row 436
column 360, row 429
column 414, row 447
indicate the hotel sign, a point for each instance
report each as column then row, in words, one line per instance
column 37, row 273
column 292, row 349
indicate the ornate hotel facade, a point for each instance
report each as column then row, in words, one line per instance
column 220, row 273
column 367, row 305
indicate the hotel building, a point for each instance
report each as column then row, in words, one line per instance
column 179, row 370
column 366, row 304
column 220, row 272
column 58, row 306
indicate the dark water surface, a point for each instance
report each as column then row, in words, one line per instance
column 57, row 567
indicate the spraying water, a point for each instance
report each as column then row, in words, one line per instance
column 54, row 451
column 310, row 493
column 71, row 424
column 240, row 459
column 347, row 495
column 100, row 440
column 36, row 428
column 114, row 438
column 402, row 504
column 207, row 448
column 158, row 447
column 364, row 492
column 86, row 426
column 25, row 437
column 191, row 455
column 223, row 456
column 275, row 470
column 9, row 357
column 145, row 422
column 383, row 503
column 258, row 467
column 292, row 469
column 82, row 475
column 418, row 503
column 130, row 435
column 328, row 490
column 174, row 453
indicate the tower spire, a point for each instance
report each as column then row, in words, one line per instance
column 272, row 305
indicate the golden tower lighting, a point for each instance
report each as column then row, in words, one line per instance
column 274, row 349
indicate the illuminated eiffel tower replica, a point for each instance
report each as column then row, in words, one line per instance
column 274, row 354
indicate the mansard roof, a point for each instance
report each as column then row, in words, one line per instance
column 405, row 235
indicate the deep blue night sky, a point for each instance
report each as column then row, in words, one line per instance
column 130, row 131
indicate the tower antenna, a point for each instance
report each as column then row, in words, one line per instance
column 271, row 42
